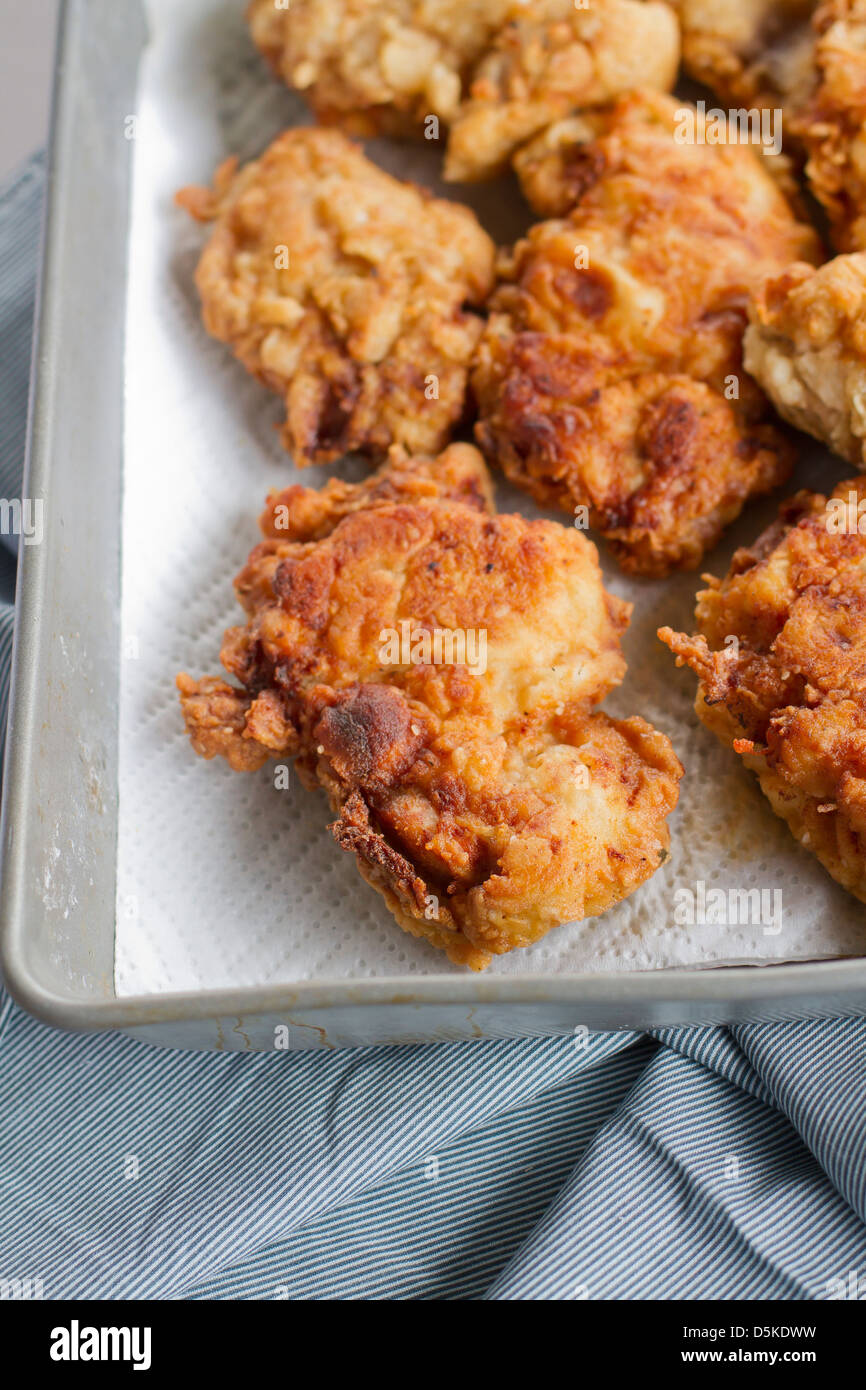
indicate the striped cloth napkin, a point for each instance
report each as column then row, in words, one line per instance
column 682, row 1164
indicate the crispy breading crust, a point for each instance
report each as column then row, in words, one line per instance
column 806, row 345
column 487, row 802
column 781, row 661
column 608, row 374
column 551, row 60
column 809, row 58
column 344, row 290
column 831, row 124
column 496, row 70
column 751, row 52
column 377, row 66
column 310, row 514
column 564, row 160
column 756, row 55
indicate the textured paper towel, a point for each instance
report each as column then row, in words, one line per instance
column 223, row 879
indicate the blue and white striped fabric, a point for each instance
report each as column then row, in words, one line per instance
column 694, row 1163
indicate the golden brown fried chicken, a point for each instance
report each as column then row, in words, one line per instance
column 378, row 66
column 552, row 59
column 807, row 57
column 781, row 660
column 750, row 52
column 561, row 163
column 344, row 290
column 831, row 124
column 309, row 514
column 481, row 794
column 498, row 70
column 758, row 57
column 806, row 345
column 610, row 374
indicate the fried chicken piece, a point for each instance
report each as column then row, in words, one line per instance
column 310, row 514
column 560, row 164
column 756, row 53
column 344, row 290
column 758, row 57
column 832, row 123
column 480, row 792
column 806, row 345
column 781, row 661
column 807, row 57
column 551, row 60
column 610, row 376
column 378, row 66
column 497, row 70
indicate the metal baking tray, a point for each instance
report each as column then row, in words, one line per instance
column 59, row 829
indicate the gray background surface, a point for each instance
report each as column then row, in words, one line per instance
column 26, row 59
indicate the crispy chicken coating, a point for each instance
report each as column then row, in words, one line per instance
column 344, row 290
column 378, row 66
column 609, row 377
column 480, row 792
column 807, row 57
column 552, row 59
column 562, row 162
column 310, row 514
column 497, row 70
column 750, row 52
column 806, row 345
column 757, row 56
column 831, row 124
column 781, row 661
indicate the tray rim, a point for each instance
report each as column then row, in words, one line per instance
column 840, row 989
column 832, row 985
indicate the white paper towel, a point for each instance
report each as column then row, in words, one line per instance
column 223, row 879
